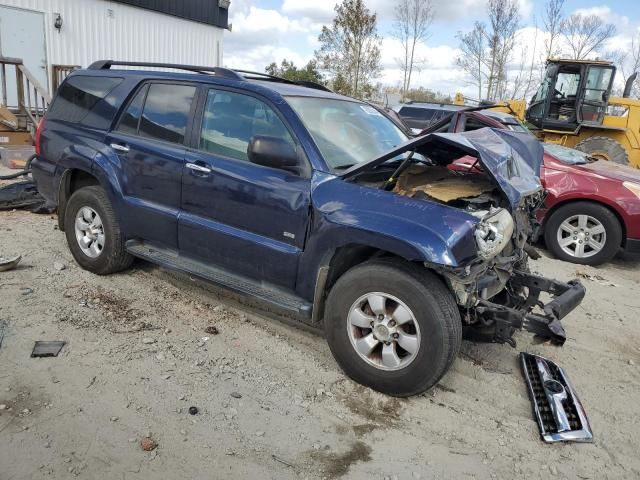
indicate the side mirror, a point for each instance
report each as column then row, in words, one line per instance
column 273, row 152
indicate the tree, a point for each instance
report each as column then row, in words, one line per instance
column 487, row 50
column 552, row 21
column 412, row 21
column 586, row 33
column 473, row 59
column 350, row 48
column 504, row 19
column 288, row 70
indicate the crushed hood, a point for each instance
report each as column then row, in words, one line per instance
column 513, row 159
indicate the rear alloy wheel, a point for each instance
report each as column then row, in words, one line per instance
column 584, row 233
column 392, row 326
column 604, row 148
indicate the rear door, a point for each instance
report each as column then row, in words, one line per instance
column 149, row 142
column 243, row 217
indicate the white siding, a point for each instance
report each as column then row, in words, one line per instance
column 100, row 29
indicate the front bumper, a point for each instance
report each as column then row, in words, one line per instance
column 632, row 245
column 507, row 318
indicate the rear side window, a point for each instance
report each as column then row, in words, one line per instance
column 160, row 111
column 413, row 112
column 166, row 112
column 79, row 95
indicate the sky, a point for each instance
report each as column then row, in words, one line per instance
column 264, row 31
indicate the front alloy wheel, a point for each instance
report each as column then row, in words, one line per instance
column 393, row 326
column 383, row 330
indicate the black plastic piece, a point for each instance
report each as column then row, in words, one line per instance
column 46, row 349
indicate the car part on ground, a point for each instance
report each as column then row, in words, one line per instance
column 557, row 408
column 9, row 263
column 20, row 195
column 583, row 232
column 46, row 348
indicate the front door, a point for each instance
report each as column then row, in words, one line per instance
column 149, row 141
column 22, row 36
column 243, row 217
column 595, row 96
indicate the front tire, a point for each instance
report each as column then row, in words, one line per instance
column 93, row 232
column 584, row 233
column 393, row 326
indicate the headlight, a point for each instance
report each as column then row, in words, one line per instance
column 493, row 233
column 632, row 187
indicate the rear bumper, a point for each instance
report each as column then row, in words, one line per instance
column 506, row 319
column 44, row 177
column 632, row 245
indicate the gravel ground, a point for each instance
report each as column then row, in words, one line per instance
column 144, row 345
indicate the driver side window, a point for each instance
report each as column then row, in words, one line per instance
column 231, row 120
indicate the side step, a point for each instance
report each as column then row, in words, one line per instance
column 245, row 286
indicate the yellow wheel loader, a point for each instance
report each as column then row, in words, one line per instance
column 574, row 107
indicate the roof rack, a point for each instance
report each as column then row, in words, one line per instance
column 218, row 71
column 232, row 74
column 273, row 78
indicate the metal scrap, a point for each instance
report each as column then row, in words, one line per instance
column 9, row 263
column 46, row 348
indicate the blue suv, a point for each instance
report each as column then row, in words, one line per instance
column 315, row 203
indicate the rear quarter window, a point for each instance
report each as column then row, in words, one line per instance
column 79, row 95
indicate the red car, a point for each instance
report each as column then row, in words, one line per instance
column 592, row 208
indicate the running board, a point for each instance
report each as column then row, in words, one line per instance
column 236, row 283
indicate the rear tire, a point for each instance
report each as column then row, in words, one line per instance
column 606, row 244
column 435, row 326
column 604, row 148
column 93, row 233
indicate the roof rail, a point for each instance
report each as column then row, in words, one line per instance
column 218, row 71
column 232, row 74
column 273, row 78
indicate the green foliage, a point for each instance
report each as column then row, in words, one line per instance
column 350, row 49
column 289, row 71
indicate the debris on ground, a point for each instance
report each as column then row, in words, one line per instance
column 193, row 410
column 148, row 444
column 59, row 266
column 20, row 195
column 9, row 263
column 236, row 395
column 47, row 348
column 212, row 329
column 3, row 326
column 595, row 278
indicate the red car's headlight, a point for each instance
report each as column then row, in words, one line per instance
column 632, row 187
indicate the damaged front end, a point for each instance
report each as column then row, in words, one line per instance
column 499, row 186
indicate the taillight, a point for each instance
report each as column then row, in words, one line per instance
column 38, row 133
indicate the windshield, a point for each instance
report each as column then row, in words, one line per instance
column 566, row 155
column 518, row 127
column 347, row 133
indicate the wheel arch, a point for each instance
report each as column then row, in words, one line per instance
column 72, row 179
column 340, row 260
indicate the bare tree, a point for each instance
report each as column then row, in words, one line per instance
column 350, row 48
column 628, row 63
column 552, row 20
column 412, row 21
column 523, row 82
column 473, row 59
column 504, row 19
column 586, row 33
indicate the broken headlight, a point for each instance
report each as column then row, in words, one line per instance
column 493, row 233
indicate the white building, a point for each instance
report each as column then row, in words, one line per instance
column 50, row 34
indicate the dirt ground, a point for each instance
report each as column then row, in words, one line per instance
column 271, row 401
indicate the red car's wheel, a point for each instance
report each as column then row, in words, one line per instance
column 584, row 233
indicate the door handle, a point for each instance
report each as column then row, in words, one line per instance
column 119, row 147
column 198, row 168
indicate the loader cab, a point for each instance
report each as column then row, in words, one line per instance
column 572, row 93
